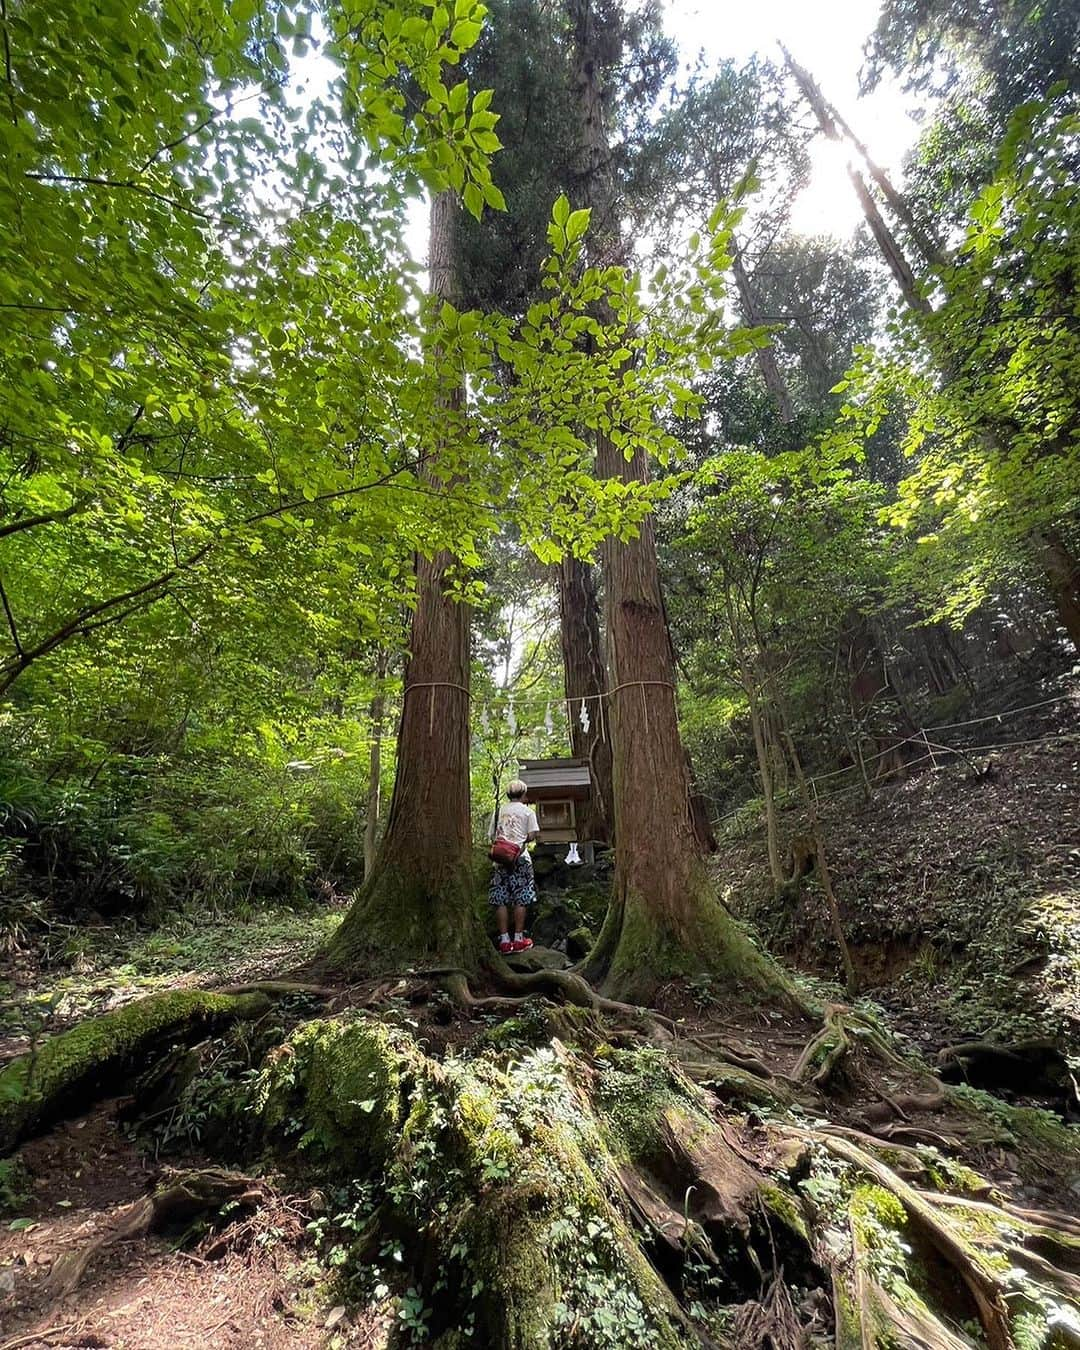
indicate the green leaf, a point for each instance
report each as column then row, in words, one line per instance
column 576, row 225
column 493, row 196
column 474, row 200
column 465, row 32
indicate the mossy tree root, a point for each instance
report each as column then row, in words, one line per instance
column 832, row 1053
column 596, row 1196
column 494, row 1178
column 563, row 985
column 639, row 950
column 70, row 1070
column 899, row 1231
column 946, row 1241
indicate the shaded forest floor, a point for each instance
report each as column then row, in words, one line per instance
column 269, row 1278
column 960, row 893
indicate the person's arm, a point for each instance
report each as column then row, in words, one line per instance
column 533, row 828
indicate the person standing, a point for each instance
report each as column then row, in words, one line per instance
column 513, row 885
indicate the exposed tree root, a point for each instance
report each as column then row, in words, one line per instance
column 832, row 1053
column 561, row 984
column 185, row 1197
column 772, row 1324
column 280, row 989
column 982, row 1284
column 1034, row 1066
column 899, row 1104
column 71, row 1069
column 33, row 1337
column 581, row 1194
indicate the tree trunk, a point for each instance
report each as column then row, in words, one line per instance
column 851, row 981
column 768, row 797
column 374, row 798
column 583, row 674
column 1063, row 574
column 417, row 905
column 665, row 919
column 766, row 356
column 886, row 241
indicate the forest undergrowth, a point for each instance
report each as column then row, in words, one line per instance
column 372, row 1164
column 310, row 545
column 958, row 888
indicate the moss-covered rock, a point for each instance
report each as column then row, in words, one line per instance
column 70, row 1069
column 578, row 943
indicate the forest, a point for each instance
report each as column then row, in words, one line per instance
column 402, row 397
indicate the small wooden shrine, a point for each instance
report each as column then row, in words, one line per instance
column 559, row 792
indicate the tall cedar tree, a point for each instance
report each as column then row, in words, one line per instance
column 524, row 57
column 418, row 901
column 664, row 918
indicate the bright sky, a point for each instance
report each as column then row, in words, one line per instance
column 827, row 37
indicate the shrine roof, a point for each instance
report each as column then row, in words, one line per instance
column 555, row 773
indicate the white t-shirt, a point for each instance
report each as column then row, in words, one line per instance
column 516, row 822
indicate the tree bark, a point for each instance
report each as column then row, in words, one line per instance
column 417, row 903
column 665, row 919
column 768, row 796
column 583, row 676
column 1063, row 575
column 851, row 980
column 376, row 714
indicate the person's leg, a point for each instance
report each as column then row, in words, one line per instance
column 523, row 893
column 498, row 896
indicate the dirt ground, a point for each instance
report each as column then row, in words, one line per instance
column 257, row 1283
column 142, row 1294
column 960, row 893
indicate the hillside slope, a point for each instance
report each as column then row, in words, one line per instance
column 959, row 887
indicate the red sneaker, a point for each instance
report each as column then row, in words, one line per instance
column 506, row 946
column 522, row 946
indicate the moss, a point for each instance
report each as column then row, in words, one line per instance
column 342, row 1084
column 649, row 953
column 783, row 1206
column 578, row 943
column 848, row 1334
column 553, row 1257
column 403, row 917
column 732, row 1084
column 65, row 1070
column 873, row 1205
column 634, row 1093
column 950, row 1174
column 15, row 1186
column 1044, row 1137
column 497, row 1182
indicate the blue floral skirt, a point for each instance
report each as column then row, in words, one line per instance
column 514, row 885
